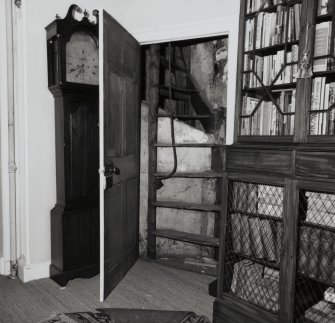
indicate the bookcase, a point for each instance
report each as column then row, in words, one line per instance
column 277, row 244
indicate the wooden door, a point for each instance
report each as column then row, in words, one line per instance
column 119, row 115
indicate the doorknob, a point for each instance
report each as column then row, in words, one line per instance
column 110, row 169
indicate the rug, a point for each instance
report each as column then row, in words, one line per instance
column 115, row 315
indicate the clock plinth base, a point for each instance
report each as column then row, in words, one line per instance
column 75, row 247
column 63, row 277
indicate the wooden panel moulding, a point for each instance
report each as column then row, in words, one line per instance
column 267, row 161
column 315, row 164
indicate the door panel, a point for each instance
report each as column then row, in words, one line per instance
column 119, row 145
column 113, row 125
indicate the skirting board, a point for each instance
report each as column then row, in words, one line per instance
column 4, row 266
column 33, row 271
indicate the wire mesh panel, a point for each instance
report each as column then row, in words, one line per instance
column 253, row 243
column 315, row 299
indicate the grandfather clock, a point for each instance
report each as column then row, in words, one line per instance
column 73, row 65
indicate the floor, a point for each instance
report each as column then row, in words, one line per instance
column 147, row 286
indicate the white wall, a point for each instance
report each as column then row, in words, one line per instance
column 149, row 21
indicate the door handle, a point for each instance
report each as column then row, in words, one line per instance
column 110, row 169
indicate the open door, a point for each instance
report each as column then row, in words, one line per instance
column 119, row 115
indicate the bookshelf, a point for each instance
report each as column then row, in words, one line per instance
column 277, row 244
column 322, row 113
column 271, row 36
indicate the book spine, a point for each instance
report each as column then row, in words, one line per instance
column 316, row 93
column 331, row 112
column 321, row 106
column 297, row 7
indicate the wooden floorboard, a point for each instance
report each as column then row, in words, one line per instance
column 146, row 286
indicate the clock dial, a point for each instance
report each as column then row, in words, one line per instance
column 82, row 59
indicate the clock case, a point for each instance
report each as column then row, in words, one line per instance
column 75, row 217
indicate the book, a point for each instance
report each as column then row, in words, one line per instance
column 322, row 8
column 321, row 45
column 330, row 295
column 316, row 93
column 331, row 113
column 323, row 94
column 297, row 14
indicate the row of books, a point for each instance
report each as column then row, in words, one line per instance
column 255, row 5
column 272, row 27
column 321, row 312
column 252, row 283
column 323, row 32
column 268, row 67
column 257, row 199
column 323, row 98
column 269, row 120
column 316, row 251
column 316, row 254
column 256, row 237
column 320, row 208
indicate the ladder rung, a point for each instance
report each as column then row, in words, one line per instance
column 174, row 66
column 180, row 94
column 185, row 117
column 188, row 206
column 187, row 237
column 209, row 174
column 177, row 89
column 190, row 145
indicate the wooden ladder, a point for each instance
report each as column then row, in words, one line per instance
column 191, row 96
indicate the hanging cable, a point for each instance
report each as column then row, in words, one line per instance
column 159, row 183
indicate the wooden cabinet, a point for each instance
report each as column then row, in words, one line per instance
column 277, row 258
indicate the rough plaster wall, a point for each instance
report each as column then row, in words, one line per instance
column 177, row 189
column 184, row 190
column 209, row 66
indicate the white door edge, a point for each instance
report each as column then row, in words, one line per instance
column 101, row 154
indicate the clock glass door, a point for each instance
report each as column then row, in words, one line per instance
column 119, row 115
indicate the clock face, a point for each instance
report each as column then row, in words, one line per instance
column 82, row 59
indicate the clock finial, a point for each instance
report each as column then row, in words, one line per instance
column 95, row 13
column 17, row 3
column 77, row 8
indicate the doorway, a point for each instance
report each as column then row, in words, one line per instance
column 185, row 209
